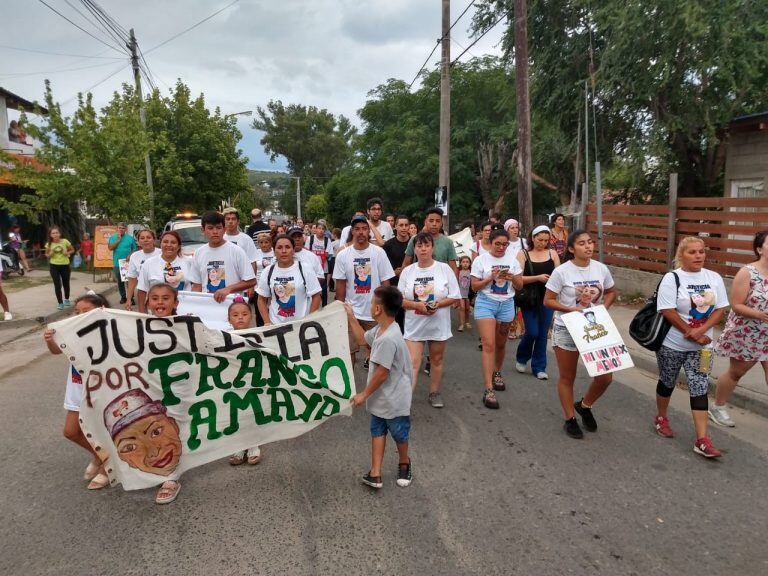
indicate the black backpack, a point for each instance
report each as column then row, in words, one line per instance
column 649, row 328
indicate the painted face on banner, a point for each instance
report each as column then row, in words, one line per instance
column 150, row 444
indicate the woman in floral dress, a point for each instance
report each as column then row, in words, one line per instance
column 745, row 337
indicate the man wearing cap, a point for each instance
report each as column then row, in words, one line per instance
column 257, row 225
column 359, row 270
column 122, row 245
column 232, row 234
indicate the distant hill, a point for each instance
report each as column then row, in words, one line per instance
column 275, row 179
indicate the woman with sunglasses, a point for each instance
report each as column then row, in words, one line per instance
column 170, row 267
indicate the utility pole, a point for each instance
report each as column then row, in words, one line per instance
column 524, row 184
column 445, row 110
column 133, row 47
column 298, row 197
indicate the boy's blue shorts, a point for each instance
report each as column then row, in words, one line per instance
column 399, row 427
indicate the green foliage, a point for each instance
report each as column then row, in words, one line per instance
column 668, row 76
column 315, row 208
column 98, row 157
column 314, row 142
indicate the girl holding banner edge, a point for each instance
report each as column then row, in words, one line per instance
column 578, row 283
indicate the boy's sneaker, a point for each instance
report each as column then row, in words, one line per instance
column 719, row 415
column 572, row 428
column 427, row 367
column 489, row 399
column 460, row 328
column 404, row 474
column 542, row 376
column 8, row 316
column 435, row 400
column 372, row 481
column 498, row 382
column 520, row 367
column 586, row 416
column 705, row 447
column 366, row 363
column 662, row 427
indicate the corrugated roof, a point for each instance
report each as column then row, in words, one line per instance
column 17, row 102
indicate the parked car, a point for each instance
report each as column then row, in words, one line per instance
column 189, row 227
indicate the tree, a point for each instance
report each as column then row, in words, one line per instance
column 315, row 208
column 666, row 78
column 314, row 142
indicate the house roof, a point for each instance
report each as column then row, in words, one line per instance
column 18, row 103
column 749, row 123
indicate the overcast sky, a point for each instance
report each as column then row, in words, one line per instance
column 327, row 53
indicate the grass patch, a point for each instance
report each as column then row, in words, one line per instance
column 19, row 283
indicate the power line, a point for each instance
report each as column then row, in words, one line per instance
column 106, row 22
column 44, row 3
column 491, row 27
column 59, row 53
column 23, row 74
column 471, row 3
column 83, row 16
column 191, row 27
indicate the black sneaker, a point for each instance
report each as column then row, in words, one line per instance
column 404, row 474
column 123, row 300
column 372, row 481
column 427, row 367
column 586, row 416
column 571, row 428
column 366, row 363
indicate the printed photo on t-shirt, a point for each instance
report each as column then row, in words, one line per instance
column 424, row 291
column 588, row 292
column 266, row 261
column 76, row 377
column 173, row 276
column 501, row 284
column 285, row 296
column 216, row 275
column 362, row 275
column 703, row 302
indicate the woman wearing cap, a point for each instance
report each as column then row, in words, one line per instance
column 537, row 264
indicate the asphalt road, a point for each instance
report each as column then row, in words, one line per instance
column 494, row 492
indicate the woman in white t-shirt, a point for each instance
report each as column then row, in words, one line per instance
column 287, row 289
column 693, row 300
column 495, row 276
column 429, row 290
column 516, row 245
column 170, row 267
column 146, row 241
column 577, row 284
column 482, row 244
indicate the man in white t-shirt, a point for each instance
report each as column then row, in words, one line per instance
column 358, row 271
column 380, row 229
column 220, row 267
column 322, row 247
column 233, row 234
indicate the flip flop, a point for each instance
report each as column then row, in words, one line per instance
column 91, row 470
column 237, row 459
column 168, row 492
column 254, row 456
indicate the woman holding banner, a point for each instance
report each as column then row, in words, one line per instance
column 575, row 285
column 693, row 300
column 170, row 267
column 429, row 290
column 286, row 290
column 495, row 277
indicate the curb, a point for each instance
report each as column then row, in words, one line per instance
column 740, row 398
column 38, row 321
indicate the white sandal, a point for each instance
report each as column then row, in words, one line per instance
column 99, row 481
column 91, row 470
column 171, row 489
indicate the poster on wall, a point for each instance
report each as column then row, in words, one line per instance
column 599, row 342
column 102, row 255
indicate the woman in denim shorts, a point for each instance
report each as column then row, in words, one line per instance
column 495, row 276
column 573, row 286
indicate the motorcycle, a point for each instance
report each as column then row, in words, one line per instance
column 9, row 256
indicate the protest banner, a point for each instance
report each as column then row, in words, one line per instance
column 600, row 345
column 201, row 304
column 462, row 242
column 164, row 395
column 102, row 255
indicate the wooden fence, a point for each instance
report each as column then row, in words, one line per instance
column 644, row 237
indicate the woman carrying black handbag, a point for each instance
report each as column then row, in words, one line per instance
column 537, row 264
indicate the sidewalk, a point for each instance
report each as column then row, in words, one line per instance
column 35, row 303
column 751, row 393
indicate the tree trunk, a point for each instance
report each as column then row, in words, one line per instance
column 524, row 185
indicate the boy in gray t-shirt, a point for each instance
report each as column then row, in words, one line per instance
column 387, row 394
